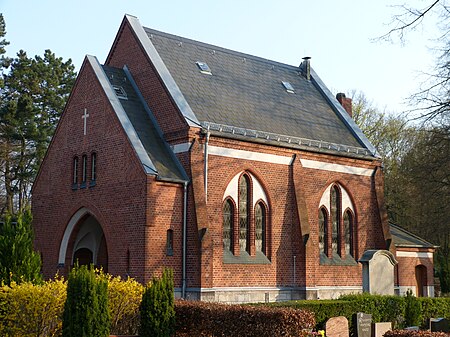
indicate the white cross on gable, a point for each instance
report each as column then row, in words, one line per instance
column 85, row 116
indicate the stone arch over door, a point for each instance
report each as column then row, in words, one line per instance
column 421, row 280
column 83, row 241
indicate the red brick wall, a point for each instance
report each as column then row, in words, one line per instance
column 117, row 201
column 405, row 269
column 285, row 239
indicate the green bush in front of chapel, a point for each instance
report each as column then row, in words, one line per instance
column 158, row 308
column 86, row 312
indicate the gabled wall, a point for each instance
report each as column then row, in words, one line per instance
column 117, row 200
column 127, row 50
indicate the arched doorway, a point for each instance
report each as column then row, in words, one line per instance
column 83, row 241
column 421, row 281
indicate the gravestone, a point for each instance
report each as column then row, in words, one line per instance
column 337, row 327
column 378, row 272
column 412, row 328
column 378, row 329
column 439, row 324
column 362, row 324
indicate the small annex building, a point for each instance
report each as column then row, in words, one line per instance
column 245, row 176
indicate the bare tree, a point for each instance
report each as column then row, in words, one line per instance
column 431, row 103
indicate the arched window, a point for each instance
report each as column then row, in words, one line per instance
column 246, row 219
column 93, row 167
column 323, row 231
column 348, row 232
column 244, row 188
column 335, row 203
column 227, row 234
column 260, row 227
column 84, row 171
column 75, row 171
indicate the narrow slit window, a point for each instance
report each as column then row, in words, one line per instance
column 169, row 242
column 84, row 171
column 75, row 171
column 93, row 166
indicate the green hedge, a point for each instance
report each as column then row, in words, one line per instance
column 382, row 308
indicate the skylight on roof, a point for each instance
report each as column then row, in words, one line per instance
column 204, row 68
column 120, row 92
column 288, row 86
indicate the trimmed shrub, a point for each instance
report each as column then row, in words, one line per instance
column 157, row 307
column 413, row 310
column 382, row 308
column 32, row 310
column 434, row 308
column 322, row 309
column 86, row 312
column 195, row 318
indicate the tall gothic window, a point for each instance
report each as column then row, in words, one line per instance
column 244, row 185
column 260, row 227
column 246, row 218
column 323, row 231
column 335, row 219
column 228, row 216
column 348, row 232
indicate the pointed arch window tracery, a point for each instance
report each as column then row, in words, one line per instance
column 245, row 215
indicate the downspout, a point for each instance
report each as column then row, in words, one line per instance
column 183, row 280
column 206, row 166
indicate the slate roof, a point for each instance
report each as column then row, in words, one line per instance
column 245, row 94
column 403, row 238
column 164, row 163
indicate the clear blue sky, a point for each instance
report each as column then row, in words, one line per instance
column 336, row 34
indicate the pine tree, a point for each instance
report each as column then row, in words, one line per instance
column 18, row 261
column 32, row 97
column 413, row 310
column 86, row 312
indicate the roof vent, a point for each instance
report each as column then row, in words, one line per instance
column 204, row 68
column 120, row 92
column 288, row 86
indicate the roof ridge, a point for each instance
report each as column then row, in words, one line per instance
column 218, row 48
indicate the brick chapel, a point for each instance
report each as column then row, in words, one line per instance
column 245, row 176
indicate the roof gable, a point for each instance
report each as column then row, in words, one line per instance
column 138, row 124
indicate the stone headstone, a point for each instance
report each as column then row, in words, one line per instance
column 412, row 328
column 378, row 329
column 362, row 324
column 337, row 327
column 439, row 324
column 378, row 272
